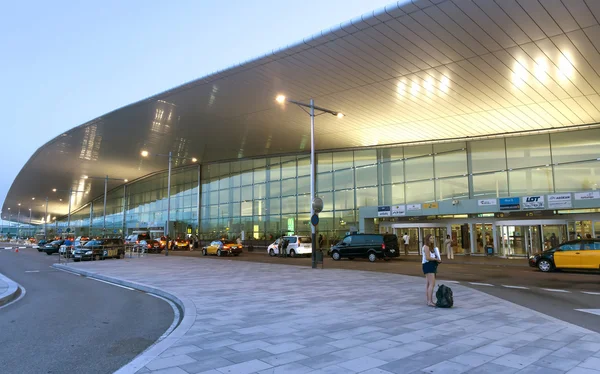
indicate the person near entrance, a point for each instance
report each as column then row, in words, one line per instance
column 406, row 240
column 449, row 249
column 431, row 260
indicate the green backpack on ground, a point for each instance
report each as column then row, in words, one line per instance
column 444, row 297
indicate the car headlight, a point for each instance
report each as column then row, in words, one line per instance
column 88, row 252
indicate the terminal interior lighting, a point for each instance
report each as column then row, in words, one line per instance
column 280, row 99
column 144, row 153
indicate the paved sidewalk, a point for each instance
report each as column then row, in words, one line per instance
column 269, row 318
column 9, row 290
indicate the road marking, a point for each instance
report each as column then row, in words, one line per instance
column 555, row 290
column 516, row 287
column 7, row 247
column 481, row 284
column 591, row 293
column 591, row 311
column 456, row 282
column 32, row 271
column 112, row 284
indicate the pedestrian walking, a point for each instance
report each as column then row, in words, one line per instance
column 431, row 260
column 406, row 240
column 449, row 249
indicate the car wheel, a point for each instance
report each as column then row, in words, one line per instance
column 372, row 257
column 271, row 252
column 292, row 253
column 219, row 253
column 204, row 252
column 350, row 258
column 237, row 254
column 336, row 255
column 545, row 265
column 49, row 254
column 97, row 258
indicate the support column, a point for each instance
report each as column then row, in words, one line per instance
column 472, row 238
column 495, row 239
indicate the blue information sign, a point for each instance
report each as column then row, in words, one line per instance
column 314, row 220
column 510, row 203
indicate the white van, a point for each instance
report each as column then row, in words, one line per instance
column 298, row 245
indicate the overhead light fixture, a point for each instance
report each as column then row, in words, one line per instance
column 54, row 190
column 125, row 180
column 84, row 177
column 194, row 159
column 280, row 99
column 144, row 153
column 340, row 115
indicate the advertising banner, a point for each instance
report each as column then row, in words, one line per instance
column 413, row 207
column 510, row 203
column 430, row 206
column 532, row 202
column 587, row 195
column 562, row 200
column 383, row 211
column 398, row 210
column 486, row 202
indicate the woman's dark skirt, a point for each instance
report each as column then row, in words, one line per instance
column 430, row 267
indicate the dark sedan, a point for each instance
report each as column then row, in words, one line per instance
column 52, row 247
column 41, row 245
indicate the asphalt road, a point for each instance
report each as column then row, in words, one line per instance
column 71, row 324
column 557, row 294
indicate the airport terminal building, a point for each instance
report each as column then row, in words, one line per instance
column 479, row 120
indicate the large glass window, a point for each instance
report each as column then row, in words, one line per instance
column 392, row 172
column 343, row 160
column 452, row 188
column 418, row 192
column 392, row 194
column 573, row 146
column 344, row 199
column 418, row 150
column 392, row 154
column 450, row 164
column 324, row 162
column 325, row 182
column 365, row 157
column 528, row 151
column 488, row 155
column 532, row 181
column 288, row 170
column 366, row 176
column 288, row 187
column 418, row 168
column 490, row 185
column 366, row 196
column 580, row 176
column 343, row 179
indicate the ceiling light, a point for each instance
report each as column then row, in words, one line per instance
column 340, row 115
column 194, row 159
column 280, row 99
column 144, row 153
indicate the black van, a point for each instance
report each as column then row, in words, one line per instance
column 371, row 246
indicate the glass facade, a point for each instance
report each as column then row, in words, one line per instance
column 265, row 197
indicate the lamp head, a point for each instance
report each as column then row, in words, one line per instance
column 54, row 190
column 144, row 153
column 194, row 159
column 125, row 180
column 84, row 176
column 340, row 115
column 280, row 99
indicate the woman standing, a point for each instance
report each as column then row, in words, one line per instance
column 449, row 249
column 431, row 259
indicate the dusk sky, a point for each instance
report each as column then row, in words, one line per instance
column 65, row 62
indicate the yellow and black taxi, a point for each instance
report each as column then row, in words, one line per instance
column 222, row 247
column 575, row 254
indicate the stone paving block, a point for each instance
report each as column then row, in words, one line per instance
column 404, row 366
column 534, row 369
column 392, row 354
column 573, row 354
column 376, row 371
column 472, row 359
column 173, row 370
column 209, row 363
column 382, row 344
column 162, row 363
column 323, row 361
column 493, row 350
column 245, row 367
column 284, row 347
column 555, row 362
column 580, row 370
column 534, row 352
column 591, row 363
column 354, row 352
column 180, row 350
column 240, row 357
column 293, row 368
column 548, row 344
column 474, row 341
column 284, row 358
column 248, row 346
column 491, row 368
column 333, row 369
column 514, row 361
column 347, row 343
column 447, row 367
column 585, row 345
column 317, row 350
column 362, row 363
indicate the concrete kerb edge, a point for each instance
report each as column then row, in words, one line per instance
column 188, row 311
column 12, row 293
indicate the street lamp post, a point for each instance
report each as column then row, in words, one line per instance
column 19, row 223
column 281, row 99
column 170, row 156
column 70, row 191
column 46, row 219
column 106, row 179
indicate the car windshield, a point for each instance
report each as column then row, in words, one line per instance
column 56, row 242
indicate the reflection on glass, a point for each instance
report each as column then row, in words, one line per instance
column 531, row 181
column 575, row 146
column 418, row 192
column 490, row 185
column 452, row 188
column 366, row 176
column 528, row 151
column 580, row 176
column 488, row 155
column 418, row 168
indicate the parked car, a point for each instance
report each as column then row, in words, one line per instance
column 99, row 249
column 371, row 246
column 297, row 245
column 222, row 248
column 77, row 243
column 148, row 246
column 181, row 244
column 41, row 245
column 52, row 247
column 574, row 254
column 136, row 238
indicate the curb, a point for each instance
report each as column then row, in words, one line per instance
column 12, row 293
column 187, row 307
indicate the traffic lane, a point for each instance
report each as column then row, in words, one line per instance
column 497, row 274
column 67, row 323
column 560, row 305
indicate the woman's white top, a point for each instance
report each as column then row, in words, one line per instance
column 435, row 255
